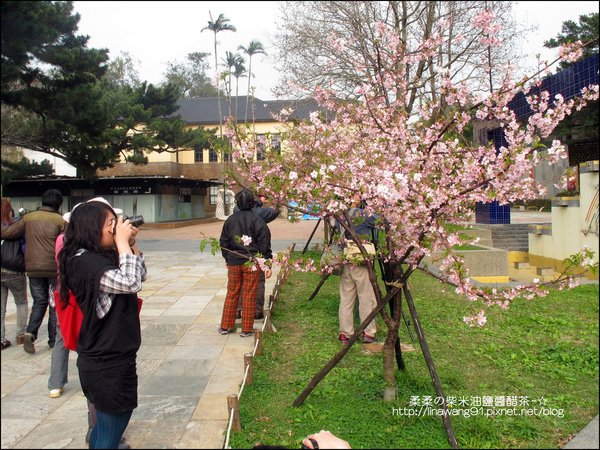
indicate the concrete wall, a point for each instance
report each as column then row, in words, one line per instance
column 573, row 225
column 487, row 263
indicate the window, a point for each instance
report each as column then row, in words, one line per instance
column 276, row 144
column 199, row 155
column 262, row 148
column 212, row 155
column 214, row 191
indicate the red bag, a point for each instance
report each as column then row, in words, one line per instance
column 69, row 319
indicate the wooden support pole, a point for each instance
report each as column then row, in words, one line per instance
column 268, row 324
column 233, row 403
column 248, row 363
column 271, row 301
column 258, row 337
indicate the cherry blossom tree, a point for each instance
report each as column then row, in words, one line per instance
column 414, row 168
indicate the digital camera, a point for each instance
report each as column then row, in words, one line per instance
column 136, row 221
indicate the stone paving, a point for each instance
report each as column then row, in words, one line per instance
column 186, row 369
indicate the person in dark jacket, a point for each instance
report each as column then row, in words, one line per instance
column 268, row 215
column 13, row 275
column 42, row 227
column 244, row 237
column 104, row 272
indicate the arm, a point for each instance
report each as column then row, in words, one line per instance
column 15, row 230
column 325, row 439
column 127, row 279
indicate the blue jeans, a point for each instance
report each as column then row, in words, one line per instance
column 109, row 429
column 40, row 291
column 59, row 363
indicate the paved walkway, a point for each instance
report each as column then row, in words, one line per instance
column 186, row 369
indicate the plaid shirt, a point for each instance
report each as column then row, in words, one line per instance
column 126, row 279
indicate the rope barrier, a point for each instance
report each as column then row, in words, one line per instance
column 228, row 434
column 243, row 381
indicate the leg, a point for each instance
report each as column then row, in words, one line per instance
column 39, row 293
column 234, row 286
column 109, row 429
column 59, row 364
column 4, row 299
column 249, row 285
column 260, row 295
column 366, row 297
column 51, row 314
column 19, row 292
column 239, row 307
column 347, row 300
column 91, row 420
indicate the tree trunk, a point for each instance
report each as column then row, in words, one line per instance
column 389, row 364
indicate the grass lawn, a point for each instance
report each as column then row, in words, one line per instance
column 543, row 350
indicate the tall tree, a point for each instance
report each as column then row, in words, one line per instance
column 216, row 26
column 56, row 99
column 583, row 124
column 585, row 31
column 190, row 76
column 255, row 47
column 239, row 71
column 310, row 34
column 122, row 71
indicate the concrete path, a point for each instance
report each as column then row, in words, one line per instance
column 186, row 369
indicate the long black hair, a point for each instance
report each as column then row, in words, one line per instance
column 84, row 232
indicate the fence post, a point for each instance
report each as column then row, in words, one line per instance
column 268, row 324
column 233, row 403
column 248, row 363
column 258, row 337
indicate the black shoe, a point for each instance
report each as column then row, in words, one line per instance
column 51, row 344
column 238, row 315
column 5, row 344
column 28, row 343
column 259, row 316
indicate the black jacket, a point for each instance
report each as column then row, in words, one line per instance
column 244, row 223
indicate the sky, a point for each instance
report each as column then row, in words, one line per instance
column 157, row 32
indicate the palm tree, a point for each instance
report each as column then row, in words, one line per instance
column 230, row 61
column 217, row 26
column 253, row 48
column 238, row 71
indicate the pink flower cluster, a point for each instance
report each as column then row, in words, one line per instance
column 413, row 167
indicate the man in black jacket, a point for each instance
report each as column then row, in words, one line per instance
column 268, row 215
column 245, row 238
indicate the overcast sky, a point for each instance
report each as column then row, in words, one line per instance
column 157, row 32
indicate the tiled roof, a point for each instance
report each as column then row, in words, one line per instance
column 205, row 110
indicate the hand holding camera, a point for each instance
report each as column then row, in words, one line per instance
column 126, row 229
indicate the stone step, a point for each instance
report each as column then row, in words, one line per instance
column 521, row 265
column 544, row 270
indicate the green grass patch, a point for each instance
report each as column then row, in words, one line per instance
column 543, row 349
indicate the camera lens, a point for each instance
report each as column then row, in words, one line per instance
column 136, row 221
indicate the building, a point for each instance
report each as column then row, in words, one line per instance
column 172, row 186
column 206, row 164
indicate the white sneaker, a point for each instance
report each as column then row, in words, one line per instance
column 55, row 393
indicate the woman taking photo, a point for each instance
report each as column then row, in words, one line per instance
column 104, row 272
